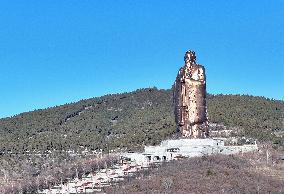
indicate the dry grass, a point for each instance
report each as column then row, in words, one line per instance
column 212, row 174
column 55, row 174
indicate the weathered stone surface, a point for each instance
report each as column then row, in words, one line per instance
column 190, row 99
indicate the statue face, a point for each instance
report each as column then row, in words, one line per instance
column 189, row 57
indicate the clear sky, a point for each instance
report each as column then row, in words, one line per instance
column 54, row 52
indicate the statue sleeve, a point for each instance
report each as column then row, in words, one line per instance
column 178, row 97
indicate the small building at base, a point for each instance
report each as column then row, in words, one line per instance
column 185, row 148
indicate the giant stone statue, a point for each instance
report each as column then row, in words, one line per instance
column 190, row 99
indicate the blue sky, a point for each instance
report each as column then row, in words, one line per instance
column 54, row 52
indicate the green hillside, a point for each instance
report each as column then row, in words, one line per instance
column 130, row 120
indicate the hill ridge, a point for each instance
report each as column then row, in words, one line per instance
column 130, row 120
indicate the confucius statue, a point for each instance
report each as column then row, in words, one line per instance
column 190, row 99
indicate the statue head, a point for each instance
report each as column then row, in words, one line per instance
column 189, row 57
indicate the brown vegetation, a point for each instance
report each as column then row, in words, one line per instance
column 54, row 174
column 212, row 174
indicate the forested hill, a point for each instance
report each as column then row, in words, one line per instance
column 144, row 116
